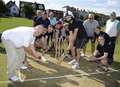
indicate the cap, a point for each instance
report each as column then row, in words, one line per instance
column 113, row 14
column 68, row 13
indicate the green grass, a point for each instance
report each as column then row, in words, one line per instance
column 7, row 23
column 52, row 69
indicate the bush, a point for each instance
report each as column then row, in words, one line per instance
column 2, row 8
column 28, row 10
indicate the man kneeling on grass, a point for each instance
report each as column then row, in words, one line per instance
column 102, row 54
column 17, row 42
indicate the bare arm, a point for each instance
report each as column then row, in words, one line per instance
column 92, row 57
column 31, row 51
column 103, row 57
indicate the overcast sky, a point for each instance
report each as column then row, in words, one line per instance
column 101, row 6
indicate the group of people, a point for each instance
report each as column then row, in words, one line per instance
column 48, row 31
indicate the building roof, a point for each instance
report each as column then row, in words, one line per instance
column 10, row 4
column 38, row 6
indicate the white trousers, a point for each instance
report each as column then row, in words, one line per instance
column 15, row 57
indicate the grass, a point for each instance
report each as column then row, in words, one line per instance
column 7, row 23
column 53, row 69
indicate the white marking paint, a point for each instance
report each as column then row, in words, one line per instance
column 64, row 76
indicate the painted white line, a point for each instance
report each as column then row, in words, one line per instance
column 64, row 76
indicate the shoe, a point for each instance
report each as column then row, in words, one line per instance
column 43, row 59
column 15, row 79
column 82, row 54
column 98, row 70
column 76, row 66
column 72, row 62
column 23, row 67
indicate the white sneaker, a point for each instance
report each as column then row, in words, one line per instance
column 82, row 54
column 76, row 66
column 72, row 62
column 43, row 59
column 15, row 78
column 23, row 67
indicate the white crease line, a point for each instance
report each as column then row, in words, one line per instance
column 67, row 76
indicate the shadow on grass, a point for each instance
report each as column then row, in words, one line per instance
column 116, row 65
column 50, row 70
column 108, row 79
column 2, row 50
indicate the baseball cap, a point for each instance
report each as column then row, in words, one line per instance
column 113, row 14
column 68, row 13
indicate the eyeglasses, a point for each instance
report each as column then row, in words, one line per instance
column 100, row 39
column 90, row 18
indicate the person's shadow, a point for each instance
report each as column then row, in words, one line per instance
column 43, row 71
column 110, row 79
column 2, row 50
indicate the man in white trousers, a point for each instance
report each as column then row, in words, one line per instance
column 17, row 42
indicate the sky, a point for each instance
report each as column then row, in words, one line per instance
column 100, row 6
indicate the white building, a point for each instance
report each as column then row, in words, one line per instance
column 13, row 8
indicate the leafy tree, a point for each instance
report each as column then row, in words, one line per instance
column 2, row 7
column 28, row 10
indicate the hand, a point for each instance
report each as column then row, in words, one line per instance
column 38, row 55
column 92, row 58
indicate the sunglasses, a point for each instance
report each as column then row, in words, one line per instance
column 100, row 39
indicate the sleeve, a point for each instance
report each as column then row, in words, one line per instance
column 27, row 41
column 118, row 26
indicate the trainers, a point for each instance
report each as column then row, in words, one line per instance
column 43, row 59
column 98, row 70
column 72, row 62
column 76, row 66
column 23, row 67
column 82, row 54
column 15, row 78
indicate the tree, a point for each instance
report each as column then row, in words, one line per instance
column 2, row 7
column 28, row 10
